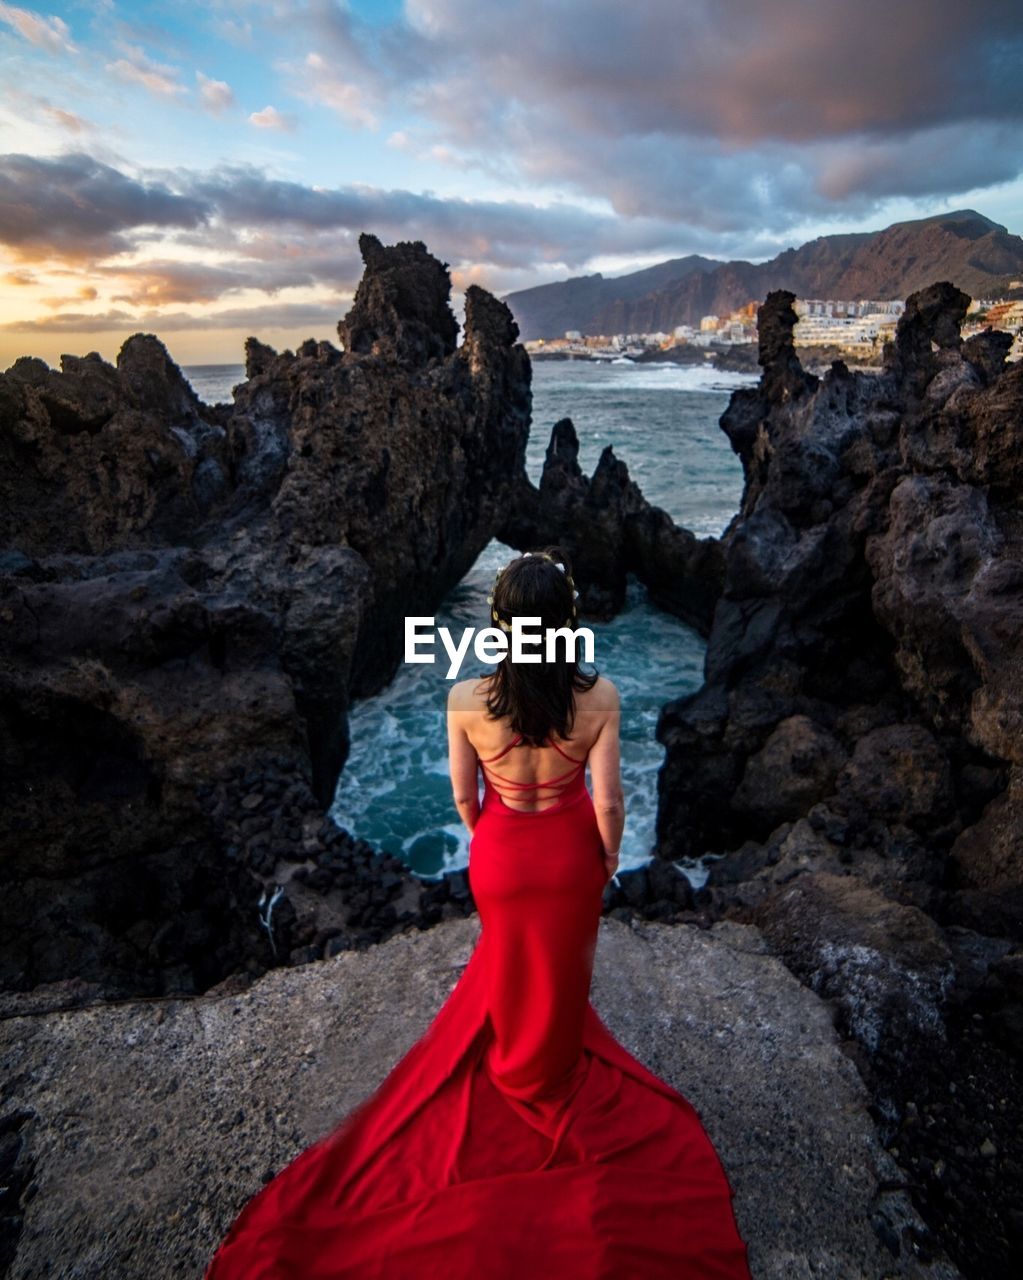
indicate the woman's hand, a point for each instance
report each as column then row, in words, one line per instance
column 610, row 864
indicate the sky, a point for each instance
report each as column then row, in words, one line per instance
column 204, row 171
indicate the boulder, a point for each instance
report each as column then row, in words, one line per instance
column 795, row 767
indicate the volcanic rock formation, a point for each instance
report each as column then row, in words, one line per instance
column 190, row 595
column 854, row 758
column 610, row 530
column 865, row 655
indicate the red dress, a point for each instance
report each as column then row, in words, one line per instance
column 517, row 1139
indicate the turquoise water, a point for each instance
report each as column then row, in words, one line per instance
column 395, row 790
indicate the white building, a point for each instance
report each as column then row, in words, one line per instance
column 733, row 333
column 848, row 308
column 829, row 330
column 708, row 324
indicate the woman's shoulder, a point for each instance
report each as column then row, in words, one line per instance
column 465, row 695
column 602, row 694
column 595, row 707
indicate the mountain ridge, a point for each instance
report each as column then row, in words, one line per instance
column 975, row 253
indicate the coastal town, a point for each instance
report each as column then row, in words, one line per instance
column 854, row 329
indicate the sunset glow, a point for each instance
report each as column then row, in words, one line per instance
column 205, row 172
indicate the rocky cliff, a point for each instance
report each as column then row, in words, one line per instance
column 864, row 657
column 978, row 255
column 610, row 530
column 854, row 757
column 189, row 597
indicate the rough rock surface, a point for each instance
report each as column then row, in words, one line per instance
column 190, row 595
column 853, row 760
column 866, row 652
column 610, row 530
column 143, row 1127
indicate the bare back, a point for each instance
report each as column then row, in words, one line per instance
column 594, row 740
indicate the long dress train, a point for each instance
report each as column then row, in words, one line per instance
column 517, row 1139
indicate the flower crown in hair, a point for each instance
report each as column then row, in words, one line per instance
column 540, row 555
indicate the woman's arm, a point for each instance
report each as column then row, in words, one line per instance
column 606, row 780
column 463, row 763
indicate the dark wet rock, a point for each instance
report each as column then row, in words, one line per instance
column 989, row 854
column 401, row 305
column 17, row 1171
column 784, row 377
column 852, row 761
column 796, row 766
column 898, row 773
column 190, row 597
column 871, row 601
column 610, row 530
column 928, row 334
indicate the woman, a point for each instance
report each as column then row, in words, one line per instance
column 517, row 1137
column 542, row 850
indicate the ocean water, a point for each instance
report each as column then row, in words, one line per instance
column 662, row 420
column 214, row 383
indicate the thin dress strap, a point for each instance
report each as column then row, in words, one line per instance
column 557, row 784
column 514, row 743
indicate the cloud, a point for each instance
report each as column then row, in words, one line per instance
column 281, row 232
column 293, row 315
column 271, row 118
column 85, row 294
column 507, row 234
column 157, row 284
column 320, row 84
column 779, row 69
column 75, row 207
column 271, row 264
column 233, row 30
column 51, row 34
column 718, row 114
column 36, row 106
column 216, row 95
column 68, row 120
column 138, row 68
column 353, row 65
column 956, row 157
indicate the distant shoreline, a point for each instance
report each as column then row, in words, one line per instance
column 735, row 358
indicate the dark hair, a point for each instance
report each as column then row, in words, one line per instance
column 538, row 698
